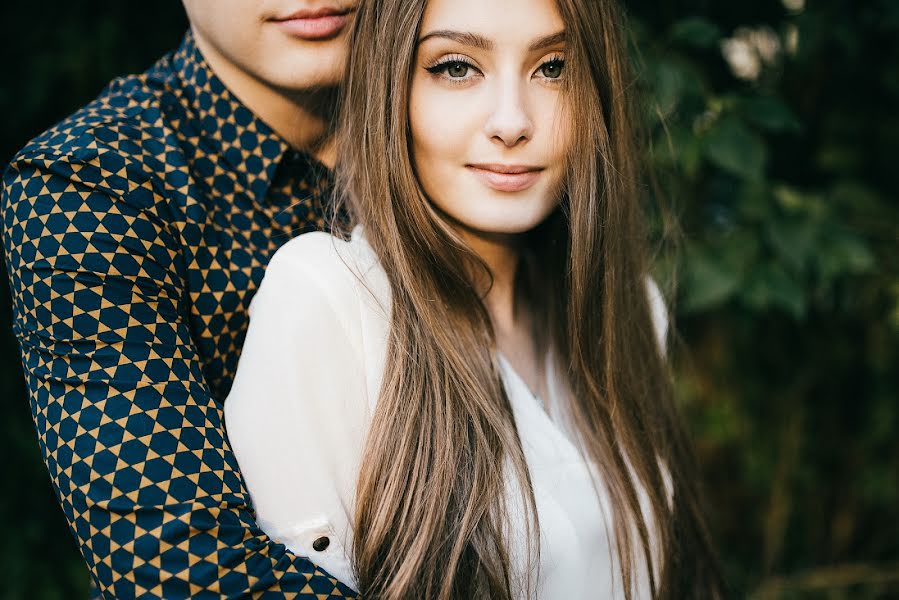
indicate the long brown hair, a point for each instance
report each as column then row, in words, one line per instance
column 431, row 514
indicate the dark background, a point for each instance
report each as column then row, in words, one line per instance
column 780, row 168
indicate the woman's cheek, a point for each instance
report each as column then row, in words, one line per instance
column 428, row 123
column 439, row 119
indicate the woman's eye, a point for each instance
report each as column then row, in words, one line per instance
column 456, row 69
column 552, row 69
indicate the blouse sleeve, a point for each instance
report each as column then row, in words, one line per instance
column 659, row 313
column 296, row 411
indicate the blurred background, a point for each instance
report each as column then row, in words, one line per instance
column 773, row 132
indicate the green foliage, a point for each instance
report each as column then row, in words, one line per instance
column 787, row 279
column 787, row 293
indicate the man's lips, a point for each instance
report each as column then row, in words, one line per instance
column 315, row 24
column 506, row 178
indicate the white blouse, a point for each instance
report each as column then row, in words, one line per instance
column 303, row 399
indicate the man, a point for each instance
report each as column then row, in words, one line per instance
column 136, row 232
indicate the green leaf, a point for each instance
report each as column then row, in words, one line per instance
column 709, row 281
column 696, row 31
column 679, row 148
column 733, row 147
column 754, row 202
column 855, row 197
column 769, row 113
column 789, row 198
column 844, row 254
column 690, row 157
column 668, row 83
column 794, row 241
column 769, row 286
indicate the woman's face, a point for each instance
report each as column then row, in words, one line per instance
column 489, row 129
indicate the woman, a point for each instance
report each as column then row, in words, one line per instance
column 476, row 371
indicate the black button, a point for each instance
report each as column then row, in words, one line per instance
column 320, row 544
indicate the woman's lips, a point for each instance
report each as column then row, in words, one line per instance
column 506, row 178
column 318, row 25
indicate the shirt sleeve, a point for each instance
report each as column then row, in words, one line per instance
column 130, row 434
column 300, row 392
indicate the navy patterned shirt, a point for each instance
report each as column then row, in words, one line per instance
column 136, row 232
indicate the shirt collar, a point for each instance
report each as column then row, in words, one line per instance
column 226, row 126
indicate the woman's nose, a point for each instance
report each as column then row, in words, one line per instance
column 509, row 121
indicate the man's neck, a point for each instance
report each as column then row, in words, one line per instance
column 302, row 118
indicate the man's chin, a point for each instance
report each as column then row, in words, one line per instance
column 324, row 76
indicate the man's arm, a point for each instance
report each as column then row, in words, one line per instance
column 133, row 441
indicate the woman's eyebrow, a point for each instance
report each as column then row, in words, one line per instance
column 546, row 41
column 463, row 37
column 482, row 43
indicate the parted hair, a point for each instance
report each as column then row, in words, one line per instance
column 432, row 510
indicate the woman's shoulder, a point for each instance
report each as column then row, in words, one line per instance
column 317, row 267
column 318, row 256
column 313, row 253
